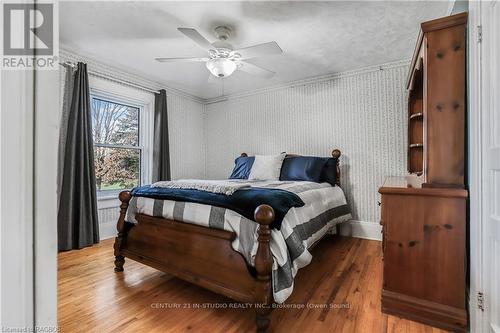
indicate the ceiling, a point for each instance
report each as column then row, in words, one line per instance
column 317, row 38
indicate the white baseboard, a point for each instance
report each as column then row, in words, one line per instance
column 362, row 229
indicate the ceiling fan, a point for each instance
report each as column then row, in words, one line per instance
column 222, row 59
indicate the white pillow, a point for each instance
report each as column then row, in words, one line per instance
column 267, row 167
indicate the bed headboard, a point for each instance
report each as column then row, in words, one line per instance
column 335, row 154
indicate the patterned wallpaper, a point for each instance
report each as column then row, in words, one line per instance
column 363, row 113
column 186, row 137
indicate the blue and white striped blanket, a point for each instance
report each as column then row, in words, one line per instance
column 324, row 206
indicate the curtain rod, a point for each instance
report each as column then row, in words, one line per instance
column 106, row 77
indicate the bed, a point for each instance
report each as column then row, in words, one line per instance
column 255, row 257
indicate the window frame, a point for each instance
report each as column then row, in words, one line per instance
column 137, row 99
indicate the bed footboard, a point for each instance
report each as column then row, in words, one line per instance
column 191, row 252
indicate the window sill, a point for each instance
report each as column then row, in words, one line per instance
column 108, row 200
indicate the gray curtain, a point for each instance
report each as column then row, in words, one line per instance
column 67, row 93
column 77, row 213
column 161, row 153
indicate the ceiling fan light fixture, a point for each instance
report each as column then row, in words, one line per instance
column 222, row 58
column 221, row 67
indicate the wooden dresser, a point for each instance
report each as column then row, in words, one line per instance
column 424, row 214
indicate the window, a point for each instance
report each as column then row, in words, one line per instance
column 117, row 148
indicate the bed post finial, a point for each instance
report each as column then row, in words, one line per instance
column 124, row 197
column 264, row 216
column 336, row 154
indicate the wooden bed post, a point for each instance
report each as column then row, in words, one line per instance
column 336, row 154
column 264, row 216
column 120, row 226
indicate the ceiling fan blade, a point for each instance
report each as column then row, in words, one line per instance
column 181, row 59
column 194, row 35
column 259, row 50
column 256, row 70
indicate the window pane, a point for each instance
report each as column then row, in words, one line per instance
column 116, row 168
column 114, row 123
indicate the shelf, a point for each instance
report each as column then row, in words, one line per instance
column 417, row 115
column 416, row 145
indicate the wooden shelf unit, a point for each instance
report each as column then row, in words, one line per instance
column 436, row 103
column 424, row 214
column 416, row 121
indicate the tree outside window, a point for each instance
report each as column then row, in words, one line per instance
column 117, row 153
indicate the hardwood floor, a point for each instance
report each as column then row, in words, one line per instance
column 346, row 275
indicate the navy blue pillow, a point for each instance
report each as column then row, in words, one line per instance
column 329, row 172
column 242, row 167
column 306, row 168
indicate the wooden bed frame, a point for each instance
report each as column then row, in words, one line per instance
column 191, row 252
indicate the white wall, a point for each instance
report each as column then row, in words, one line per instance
column 16, row 199
column 186, row 139
column 363, row 113
column 45, row 226
column 28, row 136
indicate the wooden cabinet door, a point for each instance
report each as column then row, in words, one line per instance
column 424, row 253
